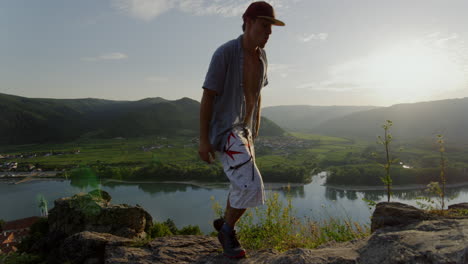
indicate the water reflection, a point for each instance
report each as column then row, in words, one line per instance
column 155, row 188
column 379, row 195
column 177, row 201
column 293, row 192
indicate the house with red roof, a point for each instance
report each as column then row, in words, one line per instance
column 13, row 232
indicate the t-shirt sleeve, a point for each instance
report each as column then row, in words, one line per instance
column 265, row 75
column 216, row 74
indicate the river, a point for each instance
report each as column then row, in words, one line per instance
column 189, row 204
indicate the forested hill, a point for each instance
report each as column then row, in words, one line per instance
column 36, row 120
column 304, row 118
column 411, row 122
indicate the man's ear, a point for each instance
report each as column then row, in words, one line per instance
column 249, row 21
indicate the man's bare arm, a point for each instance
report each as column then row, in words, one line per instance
column 205, row 149
column 257, row 125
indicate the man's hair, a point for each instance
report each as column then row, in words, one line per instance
column 243, row 24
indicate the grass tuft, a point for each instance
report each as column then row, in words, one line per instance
column 276, row 226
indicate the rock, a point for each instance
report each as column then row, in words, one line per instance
column 86, row 247
column 397, row 214
column 435, row 241
column 101, row 194
column 462, row 206
column 86, row 228
column 207, row 250
column 440, row 241
column 92, row 212
column 175, row 249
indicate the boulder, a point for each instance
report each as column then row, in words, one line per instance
column 462, row 206
column 175, row 249
column 93, row 212
column 434, row 241
column 397, row 214
column 86, row 247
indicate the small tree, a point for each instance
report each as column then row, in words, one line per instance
column 43, row 205
column 2, row 223
column 443, row 165
column 385, row 141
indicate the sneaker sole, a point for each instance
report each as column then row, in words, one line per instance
column 241, row 255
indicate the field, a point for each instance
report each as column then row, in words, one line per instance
column 297, row 154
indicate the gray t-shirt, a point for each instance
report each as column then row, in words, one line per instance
column 225, row 77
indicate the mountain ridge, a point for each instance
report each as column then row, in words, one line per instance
column 40, row 120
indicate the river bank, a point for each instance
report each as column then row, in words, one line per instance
column 209, row 185
column 394, row 187
column 21, row 177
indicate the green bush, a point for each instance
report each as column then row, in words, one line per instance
column 168, row 228
column 190, row 230
column 160, row 230
column 276, row 226
column 21, row 258
column 37, row 231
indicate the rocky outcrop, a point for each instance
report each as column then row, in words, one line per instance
column 397, row 214
column 434, row 241
column 206, row 250
column 176, row 249
column 462, row 206
column 416, row 237
column 93, row 212
column 80, row 227
column 88, row 247
column 86, row 228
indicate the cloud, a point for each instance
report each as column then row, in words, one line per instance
column 150, row 9
column 282, row 70
column 143, row 9
column 106, row 56
column 309, row 37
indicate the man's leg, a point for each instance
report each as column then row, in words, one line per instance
column 227, row 235
column 232, row 215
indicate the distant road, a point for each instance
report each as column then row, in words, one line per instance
column 23, row 176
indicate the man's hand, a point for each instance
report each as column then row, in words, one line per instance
column 206, row 152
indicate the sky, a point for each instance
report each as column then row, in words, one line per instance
column 331, row 52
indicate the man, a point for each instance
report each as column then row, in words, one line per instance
column 230, row 117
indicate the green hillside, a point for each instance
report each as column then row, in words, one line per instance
column 37, row 120
column 304, row 118
column 412, row 122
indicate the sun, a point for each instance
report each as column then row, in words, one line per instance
column 412, row 72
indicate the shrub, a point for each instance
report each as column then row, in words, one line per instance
column 160, row 230
column 275, row 226
column 168, row 228
column 190, row 230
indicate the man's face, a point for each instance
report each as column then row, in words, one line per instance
column 259, row 31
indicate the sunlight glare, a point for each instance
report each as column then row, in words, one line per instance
column 412, row 72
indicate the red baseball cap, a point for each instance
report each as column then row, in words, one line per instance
column 263, row 10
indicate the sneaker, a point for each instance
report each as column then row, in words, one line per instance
column 231, row 248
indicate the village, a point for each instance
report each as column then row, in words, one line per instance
column 11, row 165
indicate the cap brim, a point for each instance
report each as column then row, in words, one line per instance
column 274, row 21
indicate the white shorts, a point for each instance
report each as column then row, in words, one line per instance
column 238, row 160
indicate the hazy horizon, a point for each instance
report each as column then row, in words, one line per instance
column 343, row 53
